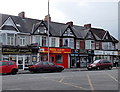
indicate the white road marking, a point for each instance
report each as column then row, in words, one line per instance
column 90, row 82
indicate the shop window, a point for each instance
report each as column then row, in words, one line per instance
column 59, row 59
column 44, row 57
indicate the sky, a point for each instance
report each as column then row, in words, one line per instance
column 99, row 13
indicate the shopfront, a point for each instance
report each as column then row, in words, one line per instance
column 23, row 56
column 110, row 55
column 78, row 58
column 59, row 56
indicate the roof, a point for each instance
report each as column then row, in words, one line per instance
column 28, row 25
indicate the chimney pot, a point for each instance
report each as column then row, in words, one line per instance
column 87, row 25
column 21, row 14
column 70, row 23
column 46, row 18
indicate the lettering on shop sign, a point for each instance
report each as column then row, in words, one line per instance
column 16, row 51
column 55, row 50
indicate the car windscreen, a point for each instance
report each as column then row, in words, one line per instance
column 3, row 63
column 96, row 61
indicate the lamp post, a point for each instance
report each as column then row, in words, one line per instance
column 48, row 22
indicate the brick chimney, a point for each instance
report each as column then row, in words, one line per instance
column 70, row 23
column 87, row 25
column 21, row 14
column 46, row 18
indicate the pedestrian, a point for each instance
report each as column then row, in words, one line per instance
column 116, row 62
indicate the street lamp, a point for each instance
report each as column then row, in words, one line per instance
column 48, row 30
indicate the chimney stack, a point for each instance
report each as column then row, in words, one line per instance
column 70, row 23
column 21, row 14
column 87, row 25
column 46, row 18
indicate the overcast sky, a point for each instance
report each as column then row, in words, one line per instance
column 99, row 13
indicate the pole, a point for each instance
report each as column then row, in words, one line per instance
column 48, row 30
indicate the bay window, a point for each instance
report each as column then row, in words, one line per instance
column 89, row 44
column 68, row 42
column 77, row 44
column 22, row 41
column 108, row 46
column 44, row 41
column 53, row 42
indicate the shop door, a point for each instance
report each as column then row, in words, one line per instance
column 20, row 62
column 27, row 61
column 73, row 62
column 52, row 58
column 77, row 62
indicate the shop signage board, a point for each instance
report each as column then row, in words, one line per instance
column 54, row 50
column 97, row 52
column 16, row 51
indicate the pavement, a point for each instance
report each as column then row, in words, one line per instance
column 65, row 70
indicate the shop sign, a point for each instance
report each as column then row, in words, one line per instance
column 96, row 52
column 16, row 51
column 54, row 50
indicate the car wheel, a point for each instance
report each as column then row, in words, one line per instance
column 14, row 71
column 110, row 67
column 98, row 68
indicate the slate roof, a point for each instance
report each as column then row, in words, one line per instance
column 26, row 24
column 56, row 29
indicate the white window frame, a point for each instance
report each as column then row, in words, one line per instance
column 45, row 40
column 22, row 41
column 77, row 44
column 53, row 42
column 89, row 44
column 69, row 42
column 11, row 39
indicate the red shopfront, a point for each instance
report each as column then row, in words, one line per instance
column 59, row 56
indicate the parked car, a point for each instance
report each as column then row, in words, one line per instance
column 8, row 67
column 100, row 64
column 45, row 66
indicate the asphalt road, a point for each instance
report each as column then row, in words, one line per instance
column 74, row 80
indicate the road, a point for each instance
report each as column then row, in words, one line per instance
column 72, row 80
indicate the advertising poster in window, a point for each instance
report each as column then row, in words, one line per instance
column 34, row 58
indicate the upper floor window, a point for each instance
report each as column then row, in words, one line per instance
column 42, row 30
column 69, row 42
column 44, row 41
column 53, row 42
column 22, row 41
column 97, row 45
column 10, row 39
column 77, row 44
column 108, row 46
column 89, row 44
column 68, row 32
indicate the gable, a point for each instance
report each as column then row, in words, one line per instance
column 9, row 25
column 40, row 29
column 89, row 35
column 68, row 32
column 107, row 37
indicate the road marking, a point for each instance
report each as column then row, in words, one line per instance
column 61, row 79
column 90, row 82
column 113, row 78
column 66, row 83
